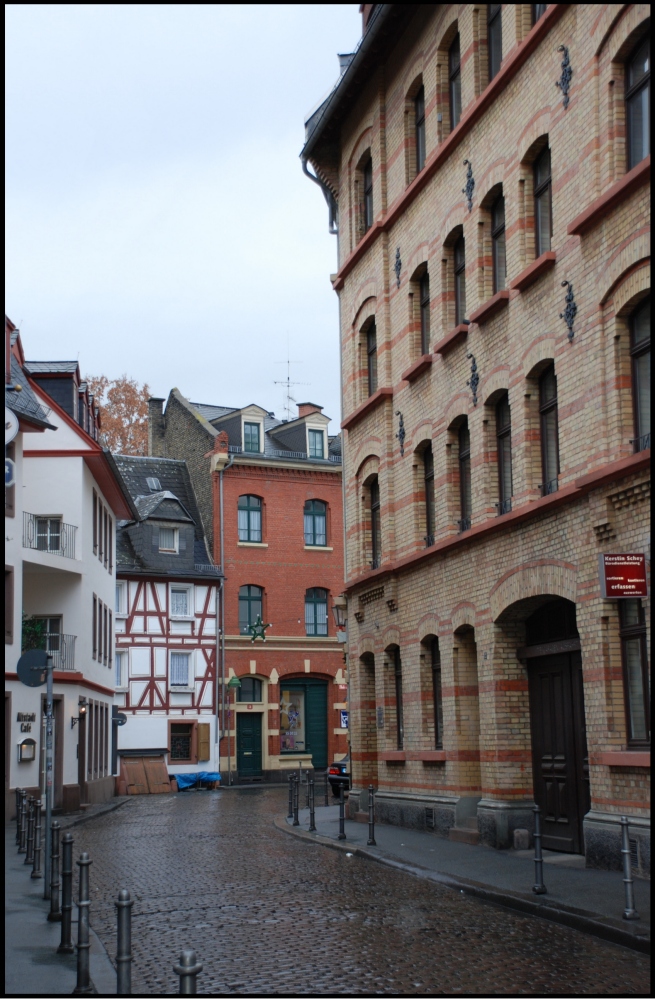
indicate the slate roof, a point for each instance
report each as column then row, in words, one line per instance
column 213, row 412
column 25, row 403
column 50, row 367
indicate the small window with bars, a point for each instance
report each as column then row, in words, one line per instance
column 181, row 741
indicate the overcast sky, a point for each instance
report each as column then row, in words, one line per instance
column 158, row 220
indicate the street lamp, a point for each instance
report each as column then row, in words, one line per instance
column 339, row 610
column 82, row 707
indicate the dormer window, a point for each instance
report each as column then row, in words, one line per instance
column 316, row 444
column 168, row 540
column 251, row 437
column 153, row 484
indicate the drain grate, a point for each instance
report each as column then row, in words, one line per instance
column 634, row 853
column 429, row 818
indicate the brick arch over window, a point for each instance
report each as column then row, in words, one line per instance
column 631, row 288
column 617, row 31
column 534, row 579
column 637, row 250
column 462, row 615
column 495, row 383
column 539, row 354
column 365, row 304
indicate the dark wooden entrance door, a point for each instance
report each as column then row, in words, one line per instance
column 559, row 749
column 249, row 744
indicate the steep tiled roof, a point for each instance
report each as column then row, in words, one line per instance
column 25, row 403
column 50, row 367
column 173, row 477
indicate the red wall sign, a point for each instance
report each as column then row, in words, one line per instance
column 623, row 575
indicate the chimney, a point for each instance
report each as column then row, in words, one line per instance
column 156, row 427
column 304, row 409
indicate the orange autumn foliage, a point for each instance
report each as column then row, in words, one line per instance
column 123, row 405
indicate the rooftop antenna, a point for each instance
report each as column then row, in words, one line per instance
column 287, row 383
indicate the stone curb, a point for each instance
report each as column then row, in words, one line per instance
column 86, row 817
column 580, row 920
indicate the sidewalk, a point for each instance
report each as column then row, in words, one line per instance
column 32, row 966
column 583, row 898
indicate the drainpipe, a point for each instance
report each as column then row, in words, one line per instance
column 221, row 597
column 333, row 221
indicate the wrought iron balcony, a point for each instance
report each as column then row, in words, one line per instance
column 208, row 569
column 549, row 487
column 464, row 524
column 641, row 443
column 504, row 506
column 61, row 647
column 49, row 534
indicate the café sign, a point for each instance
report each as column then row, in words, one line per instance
column 623, row 575
column 26, row 719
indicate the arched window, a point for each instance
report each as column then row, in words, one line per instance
column 316, row 621
column 398, row 684
column 638, row 103
column 538, row 10
column 250, row 606
column 454, row 83
column 635, row 672
column 250, row 690
column 419, row 128
column 435, row 662
column 372, row 358
column 376, row 540
column 367, row 205
column 315, row 514
column 543, row 208
column 250, row 519
column 424, row 304
column 640, row 351
column 494, row 37
column 504, row 448
column 498, row 244
column 459, row 260
column 428, row 473
column 549, row 431
column 464, row 476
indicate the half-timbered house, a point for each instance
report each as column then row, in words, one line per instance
column 165, row 613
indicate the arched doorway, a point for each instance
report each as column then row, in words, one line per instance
column 557, row 717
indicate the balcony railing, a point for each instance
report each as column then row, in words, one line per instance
column 49, row 534
column 504, row 506
column 236, row 449
column 208, row 569
column 61, row 647
column 429, row 541
column 464, row 524
column 641, row 443
column 549, row 487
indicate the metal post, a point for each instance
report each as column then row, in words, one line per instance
column 327, row 786
column 18, row 804
column 342, row 814
column 55, row 911
column 307, row 790
column 23, row 822
column 124, row 944
column 36, row 867
column 29, row 855
column 371, row 816
column 83, row 946
column 187, row 970
column 49, row 788
column 312, row 810
column 296, row 792
column 66, row 946
column 290, row 813
column 629, row 913
column 539, row 888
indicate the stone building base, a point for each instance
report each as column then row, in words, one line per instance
column 498, row 820
column 602, row 837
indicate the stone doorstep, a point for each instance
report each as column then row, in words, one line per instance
column 466, row 832
column 361, row 816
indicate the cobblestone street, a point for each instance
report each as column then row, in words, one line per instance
column 268, row 913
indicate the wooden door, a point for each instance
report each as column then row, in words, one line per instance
column 249, row 744
column 316, row 725
column 559, row 749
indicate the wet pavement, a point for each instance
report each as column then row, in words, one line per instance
column 267, row 913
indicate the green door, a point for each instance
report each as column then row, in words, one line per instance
column 249, row 744
column 317, row 737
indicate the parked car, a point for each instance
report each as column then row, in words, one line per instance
column 339, row 775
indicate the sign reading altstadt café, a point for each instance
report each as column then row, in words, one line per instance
column 623, row 575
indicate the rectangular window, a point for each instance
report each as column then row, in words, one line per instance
column 459, row 260
column 316, row 449
column 640, row 353
column 398, row 677
column 121, row 602
column 179, row 602
column 315, row 522
column 292, row 721
column 504, row 449
column 636, row 677
column 316, row 620
column 249, row 515
column 368, row 195
column 376, row 547
column 95, row 627
column 180, row 669
column 455, row 83
column 419, row 117
column 100, row 647
column 111, row 545
column 494, row 37
column 538, row 10
column 48, row 534
column 168, row 539
column 549, row 431
column 250, row 690
column 181, row 741
column 89, row 744
column 121, row 669
column 372, row 359
column 498, row 244
column 428, row 470
column 105, row 535
column 424, row 299
column 110, row 640
column 99, row 529
column 250, row 607
column 105, row 634
column 543, row 208
column 437, row 700
column 95, row 522
column 465, row 477
column 251, row 438
column 638, row 104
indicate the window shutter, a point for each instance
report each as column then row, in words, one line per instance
column 203, row 741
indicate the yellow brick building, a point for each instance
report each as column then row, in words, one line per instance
column 486, row 168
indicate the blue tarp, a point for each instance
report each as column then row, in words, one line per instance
column 189, row 780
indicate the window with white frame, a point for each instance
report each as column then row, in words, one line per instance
column 121, row 598
column 168, row 539
column 120, row 666
column 316, row 444
column 180, row 670
column 180, row 602
column 251, row 437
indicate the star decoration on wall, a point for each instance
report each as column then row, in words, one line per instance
column 258, row 629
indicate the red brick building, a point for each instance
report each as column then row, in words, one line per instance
column 269, row 494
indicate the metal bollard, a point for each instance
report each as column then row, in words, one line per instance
column 124, row 944
column 539, row 888
column 312, row 809
column 371, row 816
column 296, row 793
column 629, row 913
column 307, row 791
column 66, row 945
column 83, row 946
column 327, row 786
column 187, row 970
column 36, row 866
column 29, row 854
column 22, row 848
column 55, row 910
column 18, row 803
column 342, row 814
column 290, row 813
